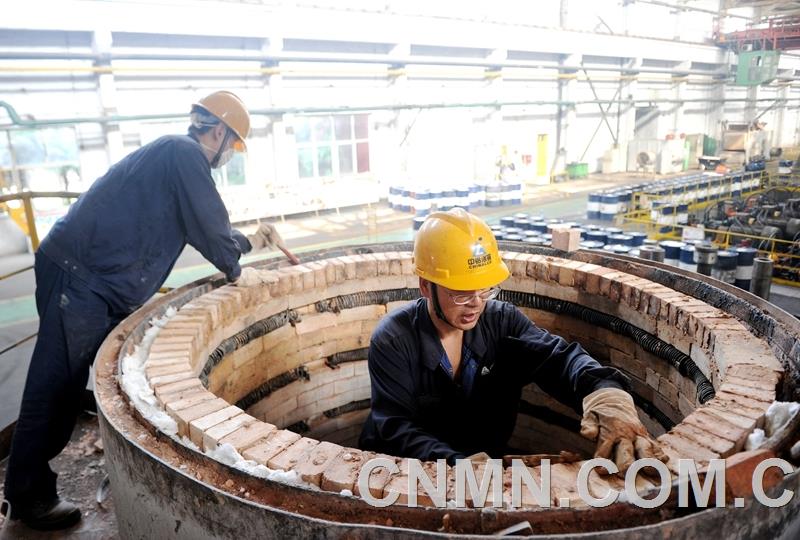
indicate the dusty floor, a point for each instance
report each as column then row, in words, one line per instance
column 81, row 469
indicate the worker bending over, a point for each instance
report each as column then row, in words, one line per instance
column 103, row 260
column 447, row 370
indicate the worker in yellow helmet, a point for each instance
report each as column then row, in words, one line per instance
column 447, row 370
column 103, row 260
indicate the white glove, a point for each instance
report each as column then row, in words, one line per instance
column 252, row 277
column 266, row 236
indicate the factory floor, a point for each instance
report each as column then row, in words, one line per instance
column 82, row 462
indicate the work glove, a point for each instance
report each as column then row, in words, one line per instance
column 609, row 417
column 480, row 457
column 266, row 236
column 252, row 277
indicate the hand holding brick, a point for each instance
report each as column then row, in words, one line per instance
column 610, row 418
column 251, row 277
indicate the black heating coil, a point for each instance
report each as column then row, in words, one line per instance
column 650, row 343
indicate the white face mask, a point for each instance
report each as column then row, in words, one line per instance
column 224, row 157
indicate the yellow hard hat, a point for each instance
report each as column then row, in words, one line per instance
column 231, row 111
column 457, row 250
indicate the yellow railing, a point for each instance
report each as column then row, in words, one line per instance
column 27, row 204
column 785, row 254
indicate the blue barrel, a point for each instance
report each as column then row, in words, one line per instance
column 521, row 215
column 474, row 197
column 590, row 227
column 591, row 244
column 513, row 230
column 539, row 226
column 582, row 231
column 683, row 214
column 744, row 266
column 505, row 195
column 507, row 221
column 714, row 188
column 672, row 251
column 418, row 221
column 405, row 200
column 593, row 206
column 688, row 261
column 513, row 237
column 725, row 267
column 613, row 230
column 547, row 237
column 522, row 223
column 609, row 203
column 622, row 239
column 703, row 195
column 516, row 194
column 638, row 238
column 394, row 197
column 617, row 248
column 462, row 197
column 535, row 241
column 597, row 236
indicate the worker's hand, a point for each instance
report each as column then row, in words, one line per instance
column 609, row 417
column 252, row 277
column 480, row 457
column 266, row 236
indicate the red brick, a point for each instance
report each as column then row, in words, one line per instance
column 739, row 470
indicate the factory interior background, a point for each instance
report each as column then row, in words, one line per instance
column 660, row 131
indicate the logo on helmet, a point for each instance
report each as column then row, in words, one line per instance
column 479, row 257
column 478, row 250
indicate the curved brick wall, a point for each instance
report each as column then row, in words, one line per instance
column 279, row 371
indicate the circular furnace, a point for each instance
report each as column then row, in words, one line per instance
column 234, row 413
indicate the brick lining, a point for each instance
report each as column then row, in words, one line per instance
column 325, row 296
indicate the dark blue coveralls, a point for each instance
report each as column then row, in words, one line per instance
column 420, row 410
column 100, row 262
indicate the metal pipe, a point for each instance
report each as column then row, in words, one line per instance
column 31, row 221
column 690, row 8
column 279, row 111
column 338, row 58
column 762, row 277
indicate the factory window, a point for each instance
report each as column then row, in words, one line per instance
column 332, row 146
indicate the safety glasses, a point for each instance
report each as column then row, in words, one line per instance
column 485, row 295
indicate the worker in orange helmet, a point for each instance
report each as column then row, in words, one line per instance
column 103, row 260
column 447, row 370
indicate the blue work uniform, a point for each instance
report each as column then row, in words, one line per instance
column 104, row 259
column 421, row 409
